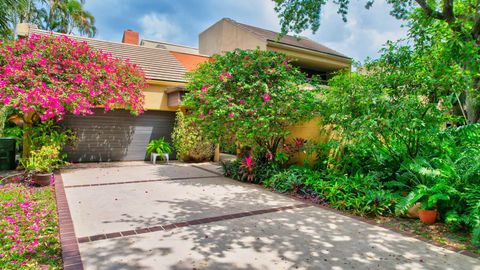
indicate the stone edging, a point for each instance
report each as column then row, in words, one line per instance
column 70, row 251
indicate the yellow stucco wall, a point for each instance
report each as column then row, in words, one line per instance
column 156, row 98
column 311, row 131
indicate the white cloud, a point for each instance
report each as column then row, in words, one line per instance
column 363, row 34
column 160, row 27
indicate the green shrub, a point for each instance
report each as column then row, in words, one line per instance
column 43, row 160
column 189, row 141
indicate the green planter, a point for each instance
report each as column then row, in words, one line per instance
column 7, row 154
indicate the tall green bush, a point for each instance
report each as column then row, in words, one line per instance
column 189, row 141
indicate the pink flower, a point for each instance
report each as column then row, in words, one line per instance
column 266, row 97
column 201, row 116
column 249, row 161
column 269, row 155
column 231, row 115
column 242, row 101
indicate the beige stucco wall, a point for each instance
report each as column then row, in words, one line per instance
column 225, row 36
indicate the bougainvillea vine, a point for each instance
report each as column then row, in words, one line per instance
column 55, row 75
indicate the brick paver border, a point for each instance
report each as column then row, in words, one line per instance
column 166, row 227
column 68, row 240
column 142, row 181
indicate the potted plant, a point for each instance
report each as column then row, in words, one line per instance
column 428, row 197
column 159, row 147
column 41, row 164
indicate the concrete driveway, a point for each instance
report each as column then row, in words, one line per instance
column 185, row 216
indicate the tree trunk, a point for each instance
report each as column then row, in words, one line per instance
column 3, row 119
column 472, row 107
column 27, row 124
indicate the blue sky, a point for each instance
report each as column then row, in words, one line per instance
column 180, row 21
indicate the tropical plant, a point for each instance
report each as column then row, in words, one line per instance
column 472, row 213
column 49, row 133
column 64, row 16
column 189, row 141
column 67, row 16
column 44, row 160
column 159, row 146
column 291, row 180
column 253, row 95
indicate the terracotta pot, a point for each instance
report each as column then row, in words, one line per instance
column 42, row 179
column 428, row 216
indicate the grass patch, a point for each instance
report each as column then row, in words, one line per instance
column 28, row 228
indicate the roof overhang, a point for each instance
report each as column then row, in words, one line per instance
column 165, row 83
column 310, row 58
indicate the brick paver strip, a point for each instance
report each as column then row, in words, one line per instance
column 68, row 240
column 207, row 170
column 172, row 226
column 142, row 181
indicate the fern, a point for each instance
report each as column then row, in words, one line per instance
column 472, row 197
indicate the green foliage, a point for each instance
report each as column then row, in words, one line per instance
column 290, row 180
column 189, row 141
column 427, row 196
column 359, row 194
column 472, row 214
column 253, row 95
column 49, row 133
column 445, row 33
column 159, row 146
column 43, row 160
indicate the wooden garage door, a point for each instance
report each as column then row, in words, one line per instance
column 116, row 135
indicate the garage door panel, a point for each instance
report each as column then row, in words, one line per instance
column 116, row 135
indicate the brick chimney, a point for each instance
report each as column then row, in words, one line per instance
column 130, row 37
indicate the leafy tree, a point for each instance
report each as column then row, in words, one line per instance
column 65, row 16
column 46, row 77
column 253, row 95
column 16, row 11
column 458, row 19
column 390, row 108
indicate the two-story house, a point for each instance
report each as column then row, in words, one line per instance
column 117, row 135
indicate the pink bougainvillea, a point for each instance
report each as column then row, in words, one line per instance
column 55, row 75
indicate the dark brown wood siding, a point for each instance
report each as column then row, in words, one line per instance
column 116, row 135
